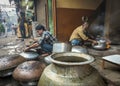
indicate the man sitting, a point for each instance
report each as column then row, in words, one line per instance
column 45, row 42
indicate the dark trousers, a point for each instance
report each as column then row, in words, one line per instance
column 47, row 47
column 22, row 31
column 76, row 42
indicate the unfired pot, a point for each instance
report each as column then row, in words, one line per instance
column 28, row 73
column 70, row 69
column 8, row 63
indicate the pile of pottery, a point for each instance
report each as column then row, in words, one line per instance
column 68, row 66
column 21, row 65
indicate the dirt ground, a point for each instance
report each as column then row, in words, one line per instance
column 111, row 73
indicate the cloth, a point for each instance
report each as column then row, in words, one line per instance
column 19, row 32
column 47, row 47
column 78, row 33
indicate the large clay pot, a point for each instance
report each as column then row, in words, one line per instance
column 8, row 63
column 70, row 69
column 28, row 73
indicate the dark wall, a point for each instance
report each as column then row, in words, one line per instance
column 97, row 21
column 69, row 19
column 112, row 21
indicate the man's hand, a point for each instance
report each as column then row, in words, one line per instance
column 26, row 49
column 31, row 46
column 95, row 42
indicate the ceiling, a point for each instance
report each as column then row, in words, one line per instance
column 82, row 4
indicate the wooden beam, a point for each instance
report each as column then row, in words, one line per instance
column 54, row 16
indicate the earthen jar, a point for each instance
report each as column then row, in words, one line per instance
column 8, row 63
column 29, row 72
column 70, row 69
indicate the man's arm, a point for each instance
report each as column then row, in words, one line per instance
column 32, row 46
column 91, row 40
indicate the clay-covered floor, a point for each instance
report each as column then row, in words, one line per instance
column 111, row 73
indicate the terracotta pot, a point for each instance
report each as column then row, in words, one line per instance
column 70, row 69
column 8, row 63
column 28, row 73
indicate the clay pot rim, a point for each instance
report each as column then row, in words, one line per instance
column 89, row 58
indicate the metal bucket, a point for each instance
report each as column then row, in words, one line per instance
column 102, row 45
column 57, row 48
column 79, row 49
column 61, row 47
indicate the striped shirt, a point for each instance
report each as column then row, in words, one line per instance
column 47, row 38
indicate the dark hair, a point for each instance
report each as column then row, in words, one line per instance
column 40, row 27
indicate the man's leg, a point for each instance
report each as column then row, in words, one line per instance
column 75, row 42
column 24, row 33
column 47, row 47
column 5, row 31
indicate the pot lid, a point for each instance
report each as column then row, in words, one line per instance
column 29, row 55
column 29, row 71
column 10, row 61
